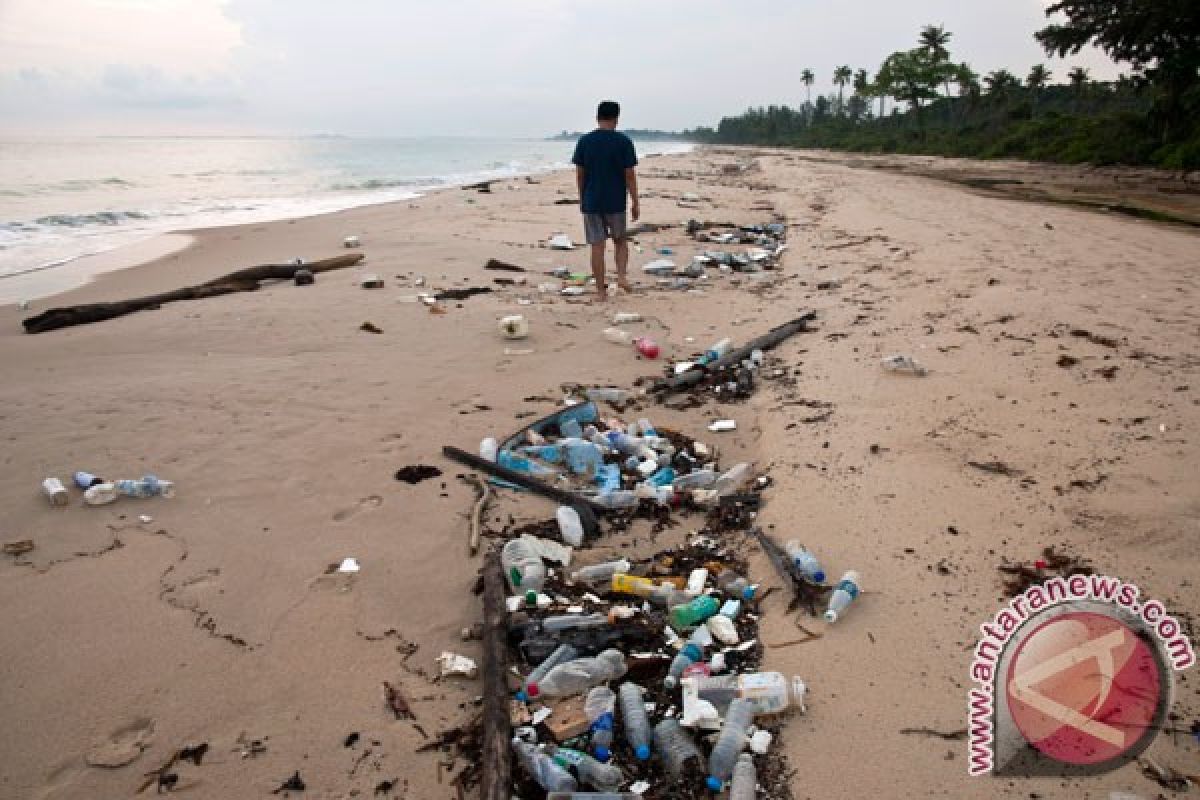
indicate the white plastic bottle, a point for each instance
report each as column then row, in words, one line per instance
column 723, row 629
column 843, row 595
column 730, row 743
column 805, row 561
column 569, row 525
column 604, row 777
column 543, row 769
column 100, row 494
column 560, row 655
column 576, row 677
column 523, row 567
column 675, row 747
column 745, row 779
column 633, row 717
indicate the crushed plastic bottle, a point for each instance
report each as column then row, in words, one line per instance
column 561, row 655
column 805, row 562
column 745, row 779
column 589, row 771
column 608, row 395
column 599, row 573
column 634, row 719
column 699, row 479
column 730, row 743
column 523, row 566
column 843, row 595
column 767, row 692
column 676, row 748
column 903, row 363
column 146, row 486
column 101, row 494
column 569, row 525
column 570, row 622
column 616, row 499
column 599, row 707
column 542, row 768
column 733, row 479
column 576, row 677
column 581, row 456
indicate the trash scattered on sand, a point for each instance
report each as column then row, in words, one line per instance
column 349, row 564
column 351, row 241
column 560, row 241
column 903, row 363
column 303, row 277
column 514, row 326
column 370, row 281
column 18, row 548
column 722, row 425
column 415, row 473
column 453, row 665
column 55, row 492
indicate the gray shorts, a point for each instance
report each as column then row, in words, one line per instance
column 598, row 227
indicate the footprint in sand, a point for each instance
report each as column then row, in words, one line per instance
column 365, row 504
column 123, row 745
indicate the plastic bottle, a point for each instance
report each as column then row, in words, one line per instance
column 599, row 707
column 745, row 779
column 571, row 622
column 616, row 499
column 730, row 608
column 608, row 477
column 843, row 595
column 569, row 525
column 618, row 336
column 691, row 614
column 520, row 463
column 625, row 317
column 100, row 494
column 523, row 566
column 589, row 771
column 55, row 492
column 570, row 428
column 767, row 692
column 634, row 719
column 730, row 743
column 687, row 656
column 575, row 677
column 698, row 479
column 718, row 349
column 146, row 486
column 581, row 456
column 623, row 583
column 608, row 395
column 552, row 453
column 723, row 629
column 734, row 585
column 544, row 769
column 561, row 655
column 675, row 747
column 86, row 480
column 805, row 561
column 733, row 479
column 902, row 363
column 663, row 495
column 599, row 573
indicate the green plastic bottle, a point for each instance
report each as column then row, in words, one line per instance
column 691, row 614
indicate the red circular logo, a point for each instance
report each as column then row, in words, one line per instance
column 1083, row 688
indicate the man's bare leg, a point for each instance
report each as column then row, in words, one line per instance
column 621, row 252
column 598, row 270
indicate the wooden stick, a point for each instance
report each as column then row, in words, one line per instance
column 476, row 524
column 496, row 755
column 243, row 280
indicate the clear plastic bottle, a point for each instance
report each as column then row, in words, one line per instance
column 617, row 336
column 687, row 656
column 570, row 622
column 745, row 779
column 843, row 595
column 146, row 486
column 569, row 525
column 523, row 566
column 100, row 494
column 675, row 747
column 608, row 394
column 730, row 743
column 634, row 719
column 734, row 585
column 599, row 573
column 733, row 479
column 561, row 655
column 616, row 499
column 902, row 363
column 521, row 463
column 767, row 692
column 730, row 608
column 625, row 317
column 690, row 614
column 576, row 677
column 717, row 350
column 600, row 706
column 542, row 768
column 698, row 479
column 805, row 561
column 589, row 771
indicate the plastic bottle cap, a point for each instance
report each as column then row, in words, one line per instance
column 748, row 593
column 531, row 598
column 819, row 576
column 524, row 698
column 602, row 753
column 531, row 690
column 642, row 752
column 714, row 783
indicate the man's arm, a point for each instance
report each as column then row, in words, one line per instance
column 579, row 181
column 635, row 209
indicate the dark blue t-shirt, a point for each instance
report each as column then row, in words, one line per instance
column 604, row 156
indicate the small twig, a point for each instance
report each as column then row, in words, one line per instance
column 950, row 736
column 484, row 492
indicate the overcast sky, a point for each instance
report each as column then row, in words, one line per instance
column 459, row 67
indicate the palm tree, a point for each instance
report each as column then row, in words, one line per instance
column 933, row 40
column 1078, row 77
column 1000, row 83
column 1039, row 76
column 968, row 83
column 862, row 87
column 841, row 76
column 807, row 78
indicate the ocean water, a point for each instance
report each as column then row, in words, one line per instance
column 62, row 199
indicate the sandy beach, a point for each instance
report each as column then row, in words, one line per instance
column 1061, row 343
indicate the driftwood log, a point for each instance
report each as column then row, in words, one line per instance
column 496, row 756
column 243, row 280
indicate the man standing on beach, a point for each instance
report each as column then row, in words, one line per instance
column 604, row 172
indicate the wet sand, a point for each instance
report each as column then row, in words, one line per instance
column 282, row 424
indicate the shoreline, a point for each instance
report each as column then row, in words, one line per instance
column 283, row 424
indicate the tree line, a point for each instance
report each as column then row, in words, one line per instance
column 1150, row 115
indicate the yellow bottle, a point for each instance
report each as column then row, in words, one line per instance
column 632, row 584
